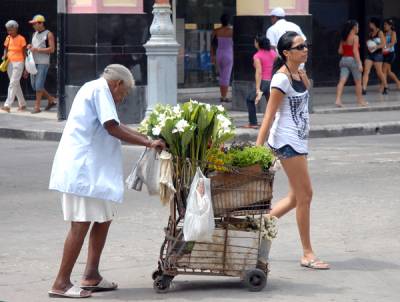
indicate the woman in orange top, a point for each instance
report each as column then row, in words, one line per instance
column 14, row 50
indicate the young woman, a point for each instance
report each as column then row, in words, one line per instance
column 374, row 58
column 287, row 112
column 389, row 51
column 223, row 42
column 263, row 62
column 350, row 62
column 14, row 50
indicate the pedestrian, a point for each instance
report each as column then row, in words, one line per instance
column 223, row 43
column 263, row 61
column 349, row 49
column 87, row 170
column 287, row 112
column 42, row 46
column 389, row 51
column 14, row 51
column 280, row 26
column 375, row 44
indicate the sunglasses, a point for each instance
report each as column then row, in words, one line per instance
column 299, row 47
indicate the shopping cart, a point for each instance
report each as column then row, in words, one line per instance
column 238, row 196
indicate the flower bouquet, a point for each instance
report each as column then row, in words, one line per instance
column 190, row 130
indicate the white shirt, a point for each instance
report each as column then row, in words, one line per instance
column 88, row 161
column 275, row 32
column 291, row 124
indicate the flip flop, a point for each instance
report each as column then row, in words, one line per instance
column 73, row 292
column 102, row 286
column 251, row 126
column 49, row 106
column 315, row 264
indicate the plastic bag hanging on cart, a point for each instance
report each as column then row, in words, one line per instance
column 147, row 171
column 199, row 222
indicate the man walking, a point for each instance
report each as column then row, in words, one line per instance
column 280, row 26
column 87, row 171
column 43, row 45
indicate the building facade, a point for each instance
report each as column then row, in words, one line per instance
column 94, row 33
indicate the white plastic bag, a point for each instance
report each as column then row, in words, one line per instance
column 147, row 171
column 135, row 178
column 199, row 217
column 30, row 65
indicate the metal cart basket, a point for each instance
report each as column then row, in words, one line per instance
column 233, row 251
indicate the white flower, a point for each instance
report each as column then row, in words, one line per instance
column 161, row 117
column 208, row 107
column 180, row 126
column 156, row 130
column 177, row 110
column 221, row 108
column 194, row 102
column 224, row 121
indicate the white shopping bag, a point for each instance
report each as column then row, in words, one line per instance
column 146, row 171
column 30, row 65
column 199, row 217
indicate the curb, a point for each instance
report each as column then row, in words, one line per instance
column 242, row 135
column 357, row 109
column 333, row 131
column 39, row 135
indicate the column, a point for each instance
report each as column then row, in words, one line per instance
column 162, row 52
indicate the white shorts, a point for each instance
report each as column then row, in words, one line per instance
column 86, row 209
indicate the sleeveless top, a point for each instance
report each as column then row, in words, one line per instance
column 347, row 50
column 39, row 40
column 388, row 41
column 377, row 40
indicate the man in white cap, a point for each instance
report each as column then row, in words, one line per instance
column 87, row 171
column 280, row 26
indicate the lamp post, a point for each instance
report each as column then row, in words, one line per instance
column 162, row 52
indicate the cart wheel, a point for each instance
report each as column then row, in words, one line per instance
column 156, row 274
column 162, row 283
column 255, row 280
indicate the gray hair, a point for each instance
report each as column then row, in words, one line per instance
column 118, row 72
column 12, row 24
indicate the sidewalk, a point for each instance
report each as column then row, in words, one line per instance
column 382, row 116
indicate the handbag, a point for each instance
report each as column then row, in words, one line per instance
column 4, row 65
column 30, row 65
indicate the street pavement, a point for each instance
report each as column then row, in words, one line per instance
column 355, row 227
column 382, row 116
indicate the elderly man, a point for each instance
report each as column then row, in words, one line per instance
column 87, row 170
column 280, row 26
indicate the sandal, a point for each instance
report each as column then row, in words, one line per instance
column 250, row 126
column 49, row 106
column 315, row 264
column 6, row 109
column 102, row 286
column 34, row 111
column 73, row 292
column 22, row 108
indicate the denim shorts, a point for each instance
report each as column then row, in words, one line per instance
column 347, row 65
column 389, row 58
column 38, row 80
column 285, row 152
column 375, row 57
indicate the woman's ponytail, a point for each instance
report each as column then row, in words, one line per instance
column 284, row 43
column 278, row 63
